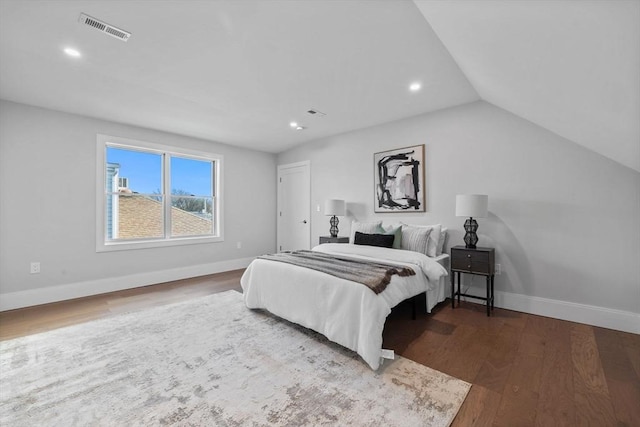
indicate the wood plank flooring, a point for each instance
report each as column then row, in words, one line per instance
column 526, row 370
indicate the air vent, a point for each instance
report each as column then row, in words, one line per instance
column 316, row 113
column 104, row 27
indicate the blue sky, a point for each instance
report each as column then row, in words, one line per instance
column 144, row 171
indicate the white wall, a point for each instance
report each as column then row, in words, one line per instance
column 47, row 210
column 563, row 219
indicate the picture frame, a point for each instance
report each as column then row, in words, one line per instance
column 399, row 180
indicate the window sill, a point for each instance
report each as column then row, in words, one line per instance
column 159, row 243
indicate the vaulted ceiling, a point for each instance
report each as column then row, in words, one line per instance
column 572, row 67
column 240, row 71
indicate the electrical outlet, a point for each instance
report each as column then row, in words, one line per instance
column 35, row 268
column 498, row 269
column 318, row 208
column 239, row 245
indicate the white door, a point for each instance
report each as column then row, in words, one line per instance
column 294, row 207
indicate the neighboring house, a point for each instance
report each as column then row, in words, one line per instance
column 133, row 216
column 112, row 181
column 140, row 217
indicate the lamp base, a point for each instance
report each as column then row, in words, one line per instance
column 334, row 226
column 470, row 237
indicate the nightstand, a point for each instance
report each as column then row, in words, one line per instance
column 473, row 261
column 329, row 239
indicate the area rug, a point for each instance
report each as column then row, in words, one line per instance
column 211, row 361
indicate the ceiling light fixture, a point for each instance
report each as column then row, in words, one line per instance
column 72, row 52
column 300, row 128
column 414, row 87
column 293, row 124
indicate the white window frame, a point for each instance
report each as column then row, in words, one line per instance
column 104, row 245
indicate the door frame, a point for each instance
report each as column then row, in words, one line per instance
column 307, row 177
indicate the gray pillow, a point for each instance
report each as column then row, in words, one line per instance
column 415, row 239
column 434, row 237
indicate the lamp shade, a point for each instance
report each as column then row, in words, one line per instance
column 334, row 207
column 472, row 205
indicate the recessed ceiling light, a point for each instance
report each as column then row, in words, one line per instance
column 414, row 87
column 300, row 128
column 293, row 124
column 72, row 52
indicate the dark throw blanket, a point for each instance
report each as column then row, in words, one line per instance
column 375, row 275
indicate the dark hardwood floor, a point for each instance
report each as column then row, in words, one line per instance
column 526, row 370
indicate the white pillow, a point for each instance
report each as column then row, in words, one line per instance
column 415, row 238
column 365, row 227
column 434, row 238
column 441, row 242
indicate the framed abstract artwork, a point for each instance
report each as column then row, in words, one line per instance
column 399, row 180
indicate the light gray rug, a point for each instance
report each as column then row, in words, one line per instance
column 211, row 361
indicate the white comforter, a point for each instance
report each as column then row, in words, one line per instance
column 346, row 312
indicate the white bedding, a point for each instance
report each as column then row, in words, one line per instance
column 346, row 312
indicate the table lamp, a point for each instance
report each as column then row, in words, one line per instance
column 472, row 206
column 334, row 208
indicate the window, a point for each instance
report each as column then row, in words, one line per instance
column 152, row 195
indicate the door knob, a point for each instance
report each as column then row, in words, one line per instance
column 304, row 221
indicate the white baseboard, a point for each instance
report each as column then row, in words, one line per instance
column 619, row 320
column 592, row 315
column 31, row 297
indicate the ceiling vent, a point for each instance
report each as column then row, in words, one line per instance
column 315, row 112
column 104, row 27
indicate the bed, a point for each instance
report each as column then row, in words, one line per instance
column 344, row 311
